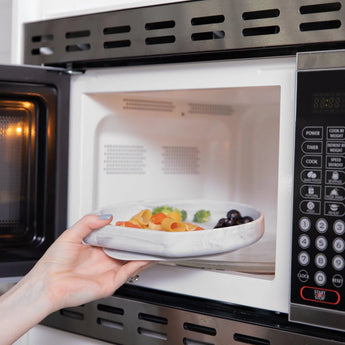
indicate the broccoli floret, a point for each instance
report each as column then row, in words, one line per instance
column 182, row 213
column 167, row 209
column 164, row 209
column 201, row 216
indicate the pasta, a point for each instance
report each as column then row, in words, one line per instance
column 160, row 221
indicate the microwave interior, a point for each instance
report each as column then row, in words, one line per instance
column 192, row 144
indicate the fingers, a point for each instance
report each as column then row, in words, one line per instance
column 131, row 269
column 86, row 225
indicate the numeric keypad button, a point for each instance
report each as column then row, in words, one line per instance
column 304, row 241
column 303, row 258
column 321, row 243
column 304, row 224
column 321, row 225
column 320, row 278
column 338, row 263
column 320, row 260
column 339, row 227
column 338, row 245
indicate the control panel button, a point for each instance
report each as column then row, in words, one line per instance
column 303, row 276
column 335, row 177
column 313, row 147
column 315, row 294
column 338, row 245
column 312, row 176
column 312, row 132
column 311, row 207
column 339, row 227
column 338, row 263
column 321, row 225
column 335, row 147
column 336, row 133
column 311, row 192
column 335, row 193
column 304, row 224
column 309, row 161
column 321, row 243
column 320, row 278
column 336, row 209
column 304, row 241
column 335, row 162
column 303, row 258
column 337, row 281
column 320, row 260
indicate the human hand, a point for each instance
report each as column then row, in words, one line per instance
column 75, row 273
column 68, row 274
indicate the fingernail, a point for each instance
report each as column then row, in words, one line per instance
column 105, row 216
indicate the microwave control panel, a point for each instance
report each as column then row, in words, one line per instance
column 318, row 241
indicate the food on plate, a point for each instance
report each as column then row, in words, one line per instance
column 201, row 216
column 233, row 217
column 171, row 221
column 167, row 209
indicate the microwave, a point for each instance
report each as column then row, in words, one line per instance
column 191, row 100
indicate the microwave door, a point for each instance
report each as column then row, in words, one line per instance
column 33, row 164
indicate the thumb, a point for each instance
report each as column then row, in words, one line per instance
column 86, row 225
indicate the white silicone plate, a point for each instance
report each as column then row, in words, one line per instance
column 120, row 242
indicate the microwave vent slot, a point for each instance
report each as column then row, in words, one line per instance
column 320, row 8
column 124, row 159
column 110, row 324
column 153, row 318
column 262, row 14
column 210, row 109
column 320, row 25
column 167, row 24
column 160, row 40
column 114, row 30
column 77, row 34
column 261, row 30
column 148, row 105
column 208, row 20
column 180, row 160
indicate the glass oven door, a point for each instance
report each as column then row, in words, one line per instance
column 33, row 164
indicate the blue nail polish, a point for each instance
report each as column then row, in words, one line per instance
column 105, row 216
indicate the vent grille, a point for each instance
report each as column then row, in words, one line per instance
column 185, row 29
column 148, row 105
column 153, row 324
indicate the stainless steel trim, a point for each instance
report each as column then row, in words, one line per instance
column 185, row 28
column 321, row 317
column 124, row 321
column 321, row 60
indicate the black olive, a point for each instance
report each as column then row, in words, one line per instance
column 246, row 219
column 234, row 214
column 220, row 223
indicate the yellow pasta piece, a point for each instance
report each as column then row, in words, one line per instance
column 191, row 226
column 174, row 215
column 170, row 224
column 142, row 218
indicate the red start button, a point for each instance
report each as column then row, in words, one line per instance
column 315, row 294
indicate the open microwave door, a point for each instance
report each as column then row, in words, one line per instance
column 34, row 117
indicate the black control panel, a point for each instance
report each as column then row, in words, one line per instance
column 318, row 250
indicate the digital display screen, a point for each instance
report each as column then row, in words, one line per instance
column 329, row 102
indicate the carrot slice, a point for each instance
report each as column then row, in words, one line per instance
column 127, row 224
column 158, row 218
